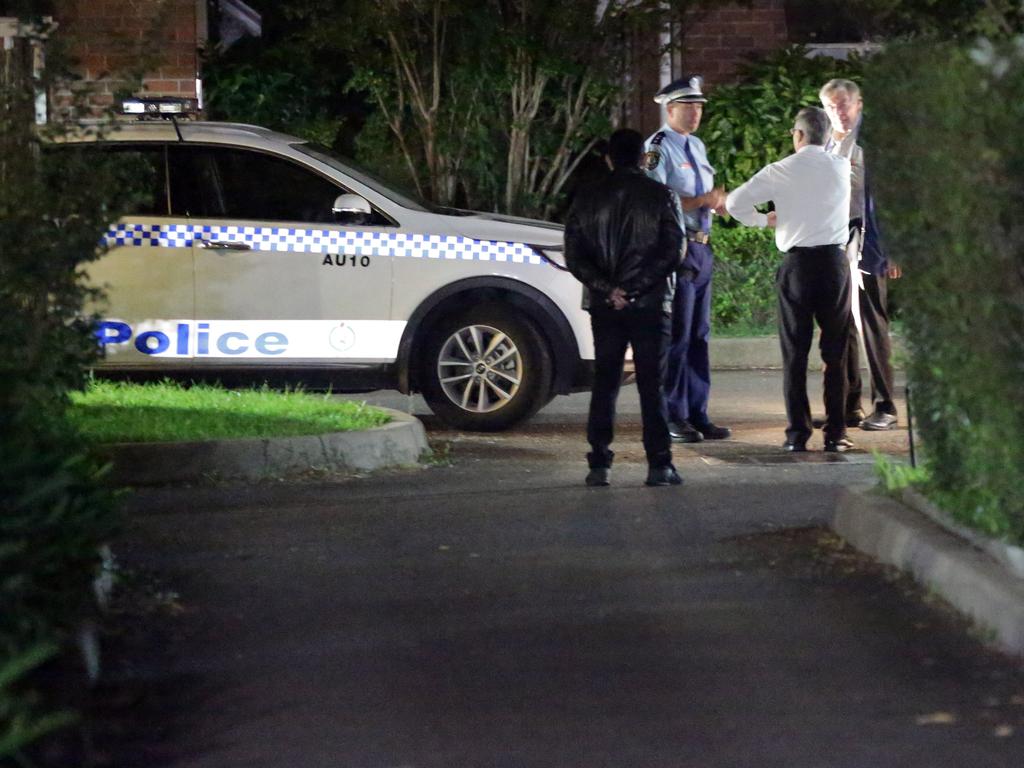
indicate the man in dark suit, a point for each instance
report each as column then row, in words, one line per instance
column 869, row 267
column 624, row 243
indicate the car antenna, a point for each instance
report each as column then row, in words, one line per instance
column 177, row 128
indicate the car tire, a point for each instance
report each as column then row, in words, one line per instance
column 486, row 369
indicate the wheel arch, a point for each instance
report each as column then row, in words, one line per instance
column 538, row 309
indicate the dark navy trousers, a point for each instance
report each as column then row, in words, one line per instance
column 688, row 370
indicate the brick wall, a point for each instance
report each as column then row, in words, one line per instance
column 712, row 42
column 116, row 44
column 717, row 40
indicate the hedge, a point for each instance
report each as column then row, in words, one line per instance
column 745, row 127
column 746, row 124
column 54, row 513
column 743, row 297
column 942, row 139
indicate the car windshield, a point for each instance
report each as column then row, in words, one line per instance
column 405, row 198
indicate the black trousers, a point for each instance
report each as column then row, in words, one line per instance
column 814, row 285
column 648, row 331
column 874, row 318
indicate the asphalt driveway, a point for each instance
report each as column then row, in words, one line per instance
column 489, row 610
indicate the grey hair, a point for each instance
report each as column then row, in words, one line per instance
column 838, row 84
column 814, row 123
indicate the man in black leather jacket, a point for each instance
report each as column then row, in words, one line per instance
column 624, row 243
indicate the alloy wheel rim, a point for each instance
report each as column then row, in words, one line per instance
column 480, row 368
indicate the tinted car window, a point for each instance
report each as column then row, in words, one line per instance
column 136, row 173
column 242, row 184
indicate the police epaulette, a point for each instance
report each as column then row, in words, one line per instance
column 652, row 157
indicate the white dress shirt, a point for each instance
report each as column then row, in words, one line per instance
column 811, row 191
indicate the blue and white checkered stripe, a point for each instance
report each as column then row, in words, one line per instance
column 324, row 241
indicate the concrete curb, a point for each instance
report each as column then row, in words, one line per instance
column 971, row 580
column 400, row 442
column 745, row 352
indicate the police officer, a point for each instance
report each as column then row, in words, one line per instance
column 674, row 156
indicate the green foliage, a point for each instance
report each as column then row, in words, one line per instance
column 118, row 412
column 53, row 513
column 943, row 139
column 20, row 725
column 885, row 19
column 895, row 475
column 743, row 294
column 746, row 124
column 280, row 87
column 486, row 105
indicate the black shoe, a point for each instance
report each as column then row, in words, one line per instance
column 713, row 432
column 879, row 421
column 598, row 476
column 853, row 419
column 794, row 447
column 842, row 445
column 663, row 476
column 683, row 432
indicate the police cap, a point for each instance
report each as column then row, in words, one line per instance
column 685, row 89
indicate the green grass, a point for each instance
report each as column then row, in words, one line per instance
column 743, row 329
column 116, row 412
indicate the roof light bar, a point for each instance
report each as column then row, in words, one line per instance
column 162, row 106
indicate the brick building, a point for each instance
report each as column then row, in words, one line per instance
column 143, row 46
column 712, row 40
column 118, row 44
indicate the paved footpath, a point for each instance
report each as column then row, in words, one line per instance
column 492, row 611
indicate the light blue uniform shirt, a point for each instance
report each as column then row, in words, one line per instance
column 667, row 162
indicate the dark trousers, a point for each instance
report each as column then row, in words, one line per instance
column 874, row 318
column 814, row 285
column 688, row 371
column 648, row 331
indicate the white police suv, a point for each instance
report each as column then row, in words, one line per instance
column 260, row 257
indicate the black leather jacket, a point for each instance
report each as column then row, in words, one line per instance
column 624, row 233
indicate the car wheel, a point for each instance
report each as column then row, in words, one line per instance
column 486, row 369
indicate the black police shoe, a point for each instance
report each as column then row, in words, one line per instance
column 795, row 446
column 663, row 476
column 842, row 445
column 712, row 431
column 683, row 432
column 598, row 476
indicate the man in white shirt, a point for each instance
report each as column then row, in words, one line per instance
column 811, row 192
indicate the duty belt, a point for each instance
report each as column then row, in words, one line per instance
column 698, row 236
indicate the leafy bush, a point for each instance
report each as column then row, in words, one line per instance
column 280, row 87
column 53, row 513
column 745, row 127
column 743, row 297
column 746, row 124
column 942, row 138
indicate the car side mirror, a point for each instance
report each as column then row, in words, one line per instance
column 351, row 209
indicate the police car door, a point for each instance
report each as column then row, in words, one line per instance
column 147, row 272
column 274, row 284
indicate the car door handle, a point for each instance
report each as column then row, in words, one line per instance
column 222, row 245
